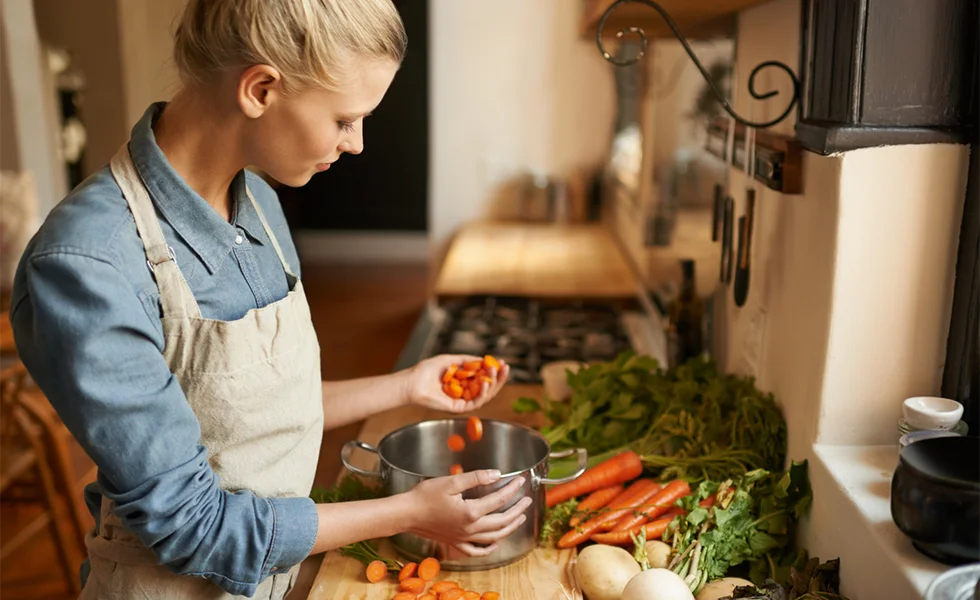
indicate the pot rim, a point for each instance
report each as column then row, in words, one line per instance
column 948, row 482
column 456, row 419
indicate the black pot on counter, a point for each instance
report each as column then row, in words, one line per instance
column 935, row 498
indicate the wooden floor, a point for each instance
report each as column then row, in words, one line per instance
column 363, row 315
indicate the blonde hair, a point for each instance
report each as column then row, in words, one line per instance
column 310, row 42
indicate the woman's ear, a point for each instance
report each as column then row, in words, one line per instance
column 258, row 87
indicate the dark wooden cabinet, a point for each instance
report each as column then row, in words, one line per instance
column 386, row 187
column 886, row 72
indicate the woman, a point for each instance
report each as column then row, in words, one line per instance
column 160, row 310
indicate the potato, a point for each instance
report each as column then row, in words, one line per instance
column 603, row 571
column 719, row 588
column 658, row 553
column 657, row 584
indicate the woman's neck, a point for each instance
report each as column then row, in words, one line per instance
column 201, row 145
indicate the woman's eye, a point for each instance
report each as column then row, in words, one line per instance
column 346, row 126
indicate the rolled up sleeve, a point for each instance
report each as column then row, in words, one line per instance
column 85, row 335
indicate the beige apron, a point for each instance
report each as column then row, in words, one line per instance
column 254, row 384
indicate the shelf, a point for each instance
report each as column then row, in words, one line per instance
column 696, row 19
column 778, row 158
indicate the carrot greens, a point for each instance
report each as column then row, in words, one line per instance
column 690, row 422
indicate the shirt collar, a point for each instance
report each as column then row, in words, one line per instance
column 206, row 233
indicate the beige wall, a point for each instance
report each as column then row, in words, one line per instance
column 851, row 288
column 32, row 105
column 146, row 38
column 512, row 87
column 9, row 155
column 89, row 31
column 123, row 47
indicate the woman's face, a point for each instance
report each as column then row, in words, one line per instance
column 298, row 135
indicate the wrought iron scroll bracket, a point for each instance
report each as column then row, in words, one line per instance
column 704, row 73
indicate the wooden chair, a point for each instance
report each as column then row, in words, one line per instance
column 26, row 471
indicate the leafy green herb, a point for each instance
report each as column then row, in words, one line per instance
column 814, row 581
column 350, row 489
column 556, row 522
column 690, row 422
column 750, row 520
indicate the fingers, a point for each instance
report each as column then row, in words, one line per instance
column 496, row 500
column 499, row 521
column 489, row 537
column 464, row 481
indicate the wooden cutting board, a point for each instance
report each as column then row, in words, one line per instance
column 544, row 574
column 543, row 260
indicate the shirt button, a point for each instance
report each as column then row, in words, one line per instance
column 239, row 239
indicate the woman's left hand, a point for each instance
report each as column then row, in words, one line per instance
column 425, row 384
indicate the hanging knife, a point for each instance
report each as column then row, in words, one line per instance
column 744, row 249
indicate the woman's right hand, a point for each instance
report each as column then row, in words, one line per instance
column 440, row 513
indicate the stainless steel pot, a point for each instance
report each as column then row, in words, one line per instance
column 418, row 452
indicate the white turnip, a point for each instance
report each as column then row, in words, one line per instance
column 657, row 584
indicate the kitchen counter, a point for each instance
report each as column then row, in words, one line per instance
column 544, row 574
column 541, row 261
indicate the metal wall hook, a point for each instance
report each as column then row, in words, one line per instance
column 704, row 73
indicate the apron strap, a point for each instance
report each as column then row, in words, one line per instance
column 268, row 231
column 176, row 297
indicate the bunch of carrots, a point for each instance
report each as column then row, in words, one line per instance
column 414, row 578
column 617, row 503
column 465, row 380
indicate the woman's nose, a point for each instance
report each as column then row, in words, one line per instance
column 354, row 143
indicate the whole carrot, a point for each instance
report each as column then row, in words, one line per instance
column 619, row 469
column 654, row 531
column 595, row 501
column 646, row 490
column 658, row 505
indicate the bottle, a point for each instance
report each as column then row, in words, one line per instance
column 685, row 316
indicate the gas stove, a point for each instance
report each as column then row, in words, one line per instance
column 528, row 333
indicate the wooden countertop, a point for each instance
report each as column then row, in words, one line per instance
column 538, row 260
column 544, row 574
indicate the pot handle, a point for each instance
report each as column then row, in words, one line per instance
column 346, row 451
column 583, row 464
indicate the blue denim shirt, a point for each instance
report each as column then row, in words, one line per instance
column 85, row 312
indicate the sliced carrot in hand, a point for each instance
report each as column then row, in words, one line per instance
column 465, row 373
column 450, row 373
column 412, row 584
column 376, row 571
column 455, row 390
column 474, row 429
column 490, row 362
column 429, row 569
column 456, row 443
column 455, row 469
column 407, row 571
column 473, row 365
